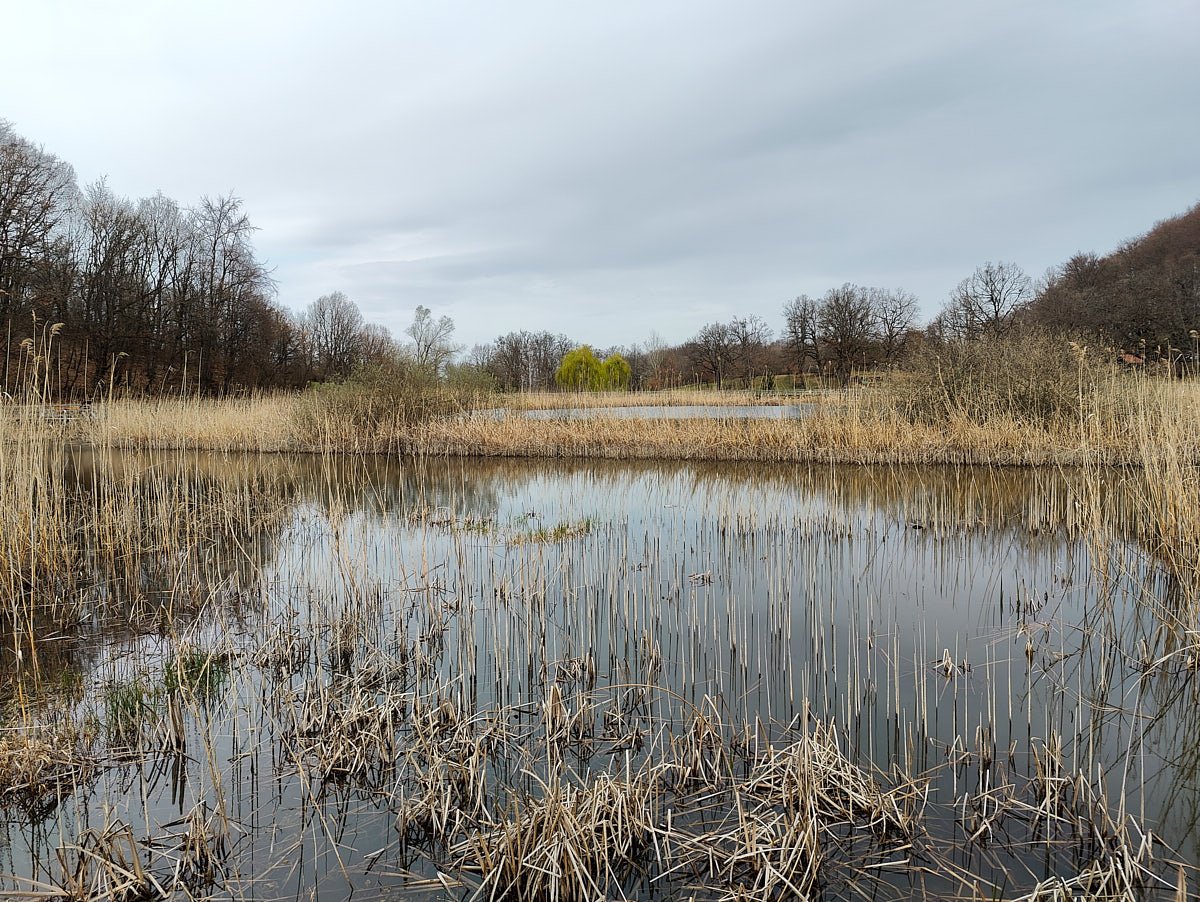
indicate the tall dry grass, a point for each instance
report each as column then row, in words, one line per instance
column 1116, row 424
column 1117, row 420
column 264, row 423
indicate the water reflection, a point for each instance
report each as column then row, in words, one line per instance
column 933, row 613
column 676, row 412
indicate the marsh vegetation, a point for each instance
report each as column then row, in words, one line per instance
column 442, row 677
column 455, row 654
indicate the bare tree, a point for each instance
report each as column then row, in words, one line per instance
column 655, row 353
column 848, row 328
column 375, row 344
column 749, row 337
column 36, row 191
column 711, row 352
column 334, row 327
column 432, row 347
column 524, row 361
column 232, row 287
column 801, row 331
column 895, row 314
column 985, row 302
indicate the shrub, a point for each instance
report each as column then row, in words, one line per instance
column 378, row 403
column 1031, row 375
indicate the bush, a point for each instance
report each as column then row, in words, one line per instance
column 1030, row 375
column 378, row 403
column 470, row 381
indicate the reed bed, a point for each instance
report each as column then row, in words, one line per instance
column 1117, row 426
column 842, row 435
column 260, row 424
column 1121, row 421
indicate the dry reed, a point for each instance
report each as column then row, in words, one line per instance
column 595, row 776
column 1119, row 421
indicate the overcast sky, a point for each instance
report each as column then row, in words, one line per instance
column 609, row 169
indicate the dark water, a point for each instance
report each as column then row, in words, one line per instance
column 928, row 613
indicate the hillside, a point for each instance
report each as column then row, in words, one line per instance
column 1147, row 290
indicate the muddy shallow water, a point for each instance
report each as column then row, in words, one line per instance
column 959, row 625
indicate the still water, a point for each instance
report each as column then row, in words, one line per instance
column 663, row 412
column 952, row 624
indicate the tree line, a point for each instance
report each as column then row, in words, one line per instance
column 99, row 293
column 1140, row 304
column 149, row 294
column 154, row 296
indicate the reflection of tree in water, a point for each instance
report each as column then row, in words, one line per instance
column 412, row 486
column 166, row 535
column 1035, row 502
column 167, row 531
column 348, row 484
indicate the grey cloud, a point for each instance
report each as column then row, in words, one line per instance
column 607, row 170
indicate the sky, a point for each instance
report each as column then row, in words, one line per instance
column 612, row 170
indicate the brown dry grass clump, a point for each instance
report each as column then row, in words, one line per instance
column 784, row 824
column 41, row 763
column 111, row 864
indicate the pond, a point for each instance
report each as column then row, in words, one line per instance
column 664, row 412
column 302, row 677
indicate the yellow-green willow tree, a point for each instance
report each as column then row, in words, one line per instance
column 582, row 370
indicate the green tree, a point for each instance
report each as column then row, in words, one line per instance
column 615, row 373
column 580, row 370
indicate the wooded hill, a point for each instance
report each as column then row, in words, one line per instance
column 1145, row 295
